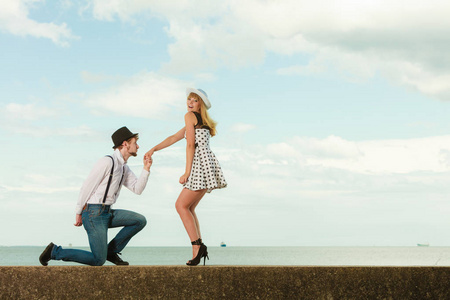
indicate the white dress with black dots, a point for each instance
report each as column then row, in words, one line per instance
column 206, row 172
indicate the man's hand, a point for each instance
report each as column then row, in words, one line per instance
column 149, row 153
column 147, row 162
column 78, row 221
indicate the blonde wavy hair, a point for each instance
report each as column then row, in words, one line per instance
column 207, row 120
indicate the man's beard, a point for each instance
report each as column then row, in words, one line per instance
column 131, row 153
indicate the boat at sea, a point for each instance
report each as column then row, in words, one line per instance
column 423, row 245
column 223, row 244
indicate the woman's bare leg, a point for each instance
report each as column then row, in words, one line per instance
column 192, row 209
column 185, row 205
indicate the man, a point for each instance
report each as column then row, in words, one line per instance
column 94, row 208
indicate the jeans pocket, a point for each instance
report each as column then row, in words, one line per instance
column 91, row 212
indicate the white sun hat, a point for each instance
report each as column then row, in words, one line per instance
column 202, row 95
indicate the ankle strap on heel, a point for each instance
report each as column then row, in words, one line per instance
column 197, row 242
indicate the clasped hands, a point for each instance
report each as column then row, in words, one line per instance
column 148, row 161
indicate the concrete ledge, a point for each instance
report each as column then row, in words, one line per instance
column 231, row 282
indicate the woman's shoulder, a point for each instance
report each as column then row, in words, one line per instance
column 190, row 116
column 194, row 117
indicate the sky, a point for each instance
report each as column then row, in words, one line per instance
column 332, row 117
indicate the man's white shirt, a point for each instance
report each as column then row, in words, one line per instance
column 94, row 187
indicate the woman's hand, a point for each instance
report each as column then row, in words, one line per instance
column 149, row 153
column 184, row 178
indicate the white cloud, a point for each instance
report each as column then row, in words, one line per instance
column 46, row 131
column 365, row 157
column 28, row 112
column 315, row 168
column 242, row 127
column 311, row 68
column 15, row 20
column 89, row 77
column 146, row 95
column 42, row 183
column 39, row 189
column 31, row 119
column 66, row 4
column 330, row 147
column 198, row 44
column 404, row 43
column 125, row 10
column 205, row 76
column 333, row 179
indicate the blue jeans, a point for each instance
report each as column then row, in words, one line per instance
column 97, row 218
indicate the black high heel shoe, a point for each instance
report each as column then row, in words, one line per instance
column 202, row 253
column 205, row 255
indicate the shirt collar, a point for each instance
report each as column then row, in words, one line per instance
column 119, row 156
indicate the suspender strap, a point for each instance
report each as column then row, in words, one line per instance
column 110, row 178
column 121, row 179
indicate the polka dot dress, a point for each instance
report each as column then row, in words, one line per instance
column 206, row 172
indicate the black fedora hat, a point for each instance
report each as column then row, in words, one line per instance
column 120, row 135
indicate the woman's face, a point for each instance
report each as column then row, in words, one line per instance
column 193, row 104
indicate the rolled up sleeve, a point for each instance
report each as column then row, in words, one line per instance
column 134, row 184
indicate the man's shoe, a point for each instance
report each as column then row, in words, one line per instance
column 46, row 254
column 115, row 259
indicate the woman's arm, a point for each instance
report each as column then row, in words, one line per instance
column 190, row 121
column 167, row 142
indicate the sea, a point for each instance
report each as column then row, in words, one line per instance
column 258, row 256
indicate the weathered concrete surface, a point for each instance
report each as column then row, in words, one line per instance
column 226, row 282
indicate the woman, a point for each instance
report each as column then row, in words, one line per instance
column 203, row 172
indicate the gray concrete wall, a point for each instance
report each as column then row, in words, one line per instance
column 224, row 282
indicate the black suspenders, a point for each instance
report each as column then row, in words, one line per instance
column 110, row 179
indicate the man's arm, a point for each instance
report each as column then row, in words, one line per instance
column 134, row 184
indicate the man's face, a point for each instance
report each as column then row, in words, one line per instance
column 133, row 147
